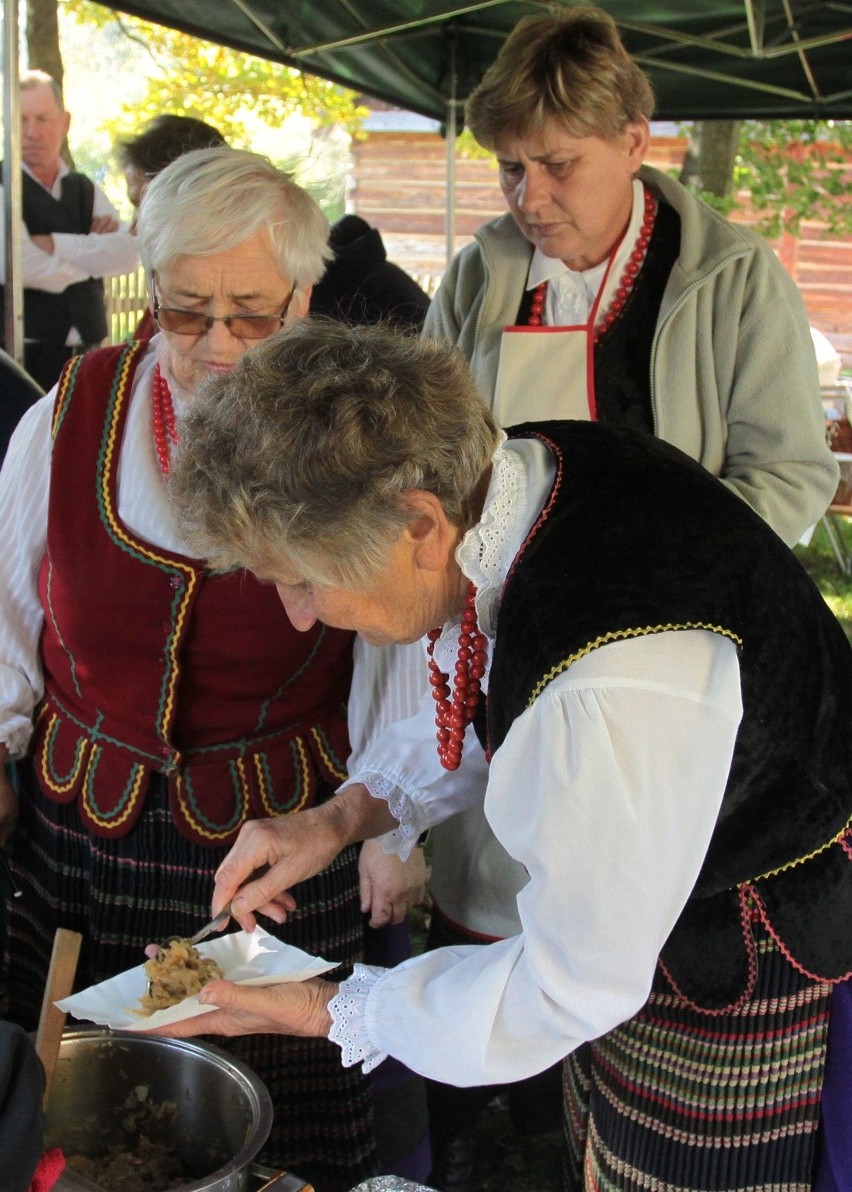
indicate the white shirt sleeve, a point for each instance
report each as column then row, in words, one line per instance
column 98, row 254
column 24, row 490
column 607, row 790
column 76, row 257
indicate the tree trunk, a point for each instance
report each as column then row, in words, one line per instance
column 709, row 161
column 43, row 52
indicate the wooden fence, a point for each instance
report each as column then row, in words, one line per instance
column 126, row 298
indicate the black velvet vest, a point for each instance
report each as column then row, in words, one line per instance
column 49, row 317
column 637, row 538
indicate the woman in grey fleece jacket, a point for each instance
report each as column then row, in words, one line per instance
column 734, row 382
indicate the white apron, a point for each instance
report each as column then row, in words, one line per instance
column 549, row 372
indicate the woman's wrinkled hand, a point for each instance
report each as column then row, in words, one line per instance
column 390, row 887
column 272, row 855
column 291, row 1008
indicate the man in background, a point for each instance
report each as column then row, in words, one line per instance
column 70, row 241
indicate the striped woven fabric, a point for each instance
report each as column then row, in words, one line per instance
column 121, row 893
column 676, row 1100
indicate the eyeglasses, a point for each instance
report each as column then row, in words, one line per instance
column 193, row 322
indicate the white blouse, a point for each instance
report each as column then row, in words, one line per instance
column 606, row 790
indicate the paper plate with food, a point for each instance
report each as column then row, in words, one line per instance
column 164, row 989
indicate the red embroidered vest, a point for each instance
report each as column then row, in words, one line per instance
column 151, row 664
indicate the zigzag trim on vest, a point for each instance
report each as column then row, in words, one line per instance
column 63, row 393
column 58, row 783
column 191, row 812
column 620, row 635
column 751, row 979
column 304, row 787
column 129, row 796
column 838, row 839
column 109, row 512
column 785, row 951
column 333, row 762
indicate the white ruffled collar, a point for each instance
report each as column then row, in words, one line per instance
column 487, row 550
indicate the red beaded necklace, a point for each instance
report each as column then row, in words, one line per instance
column 163, row 418
column 452, row 716
column 625, row 285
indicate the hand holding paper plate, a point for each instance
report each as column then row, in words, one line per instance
column 255, row 959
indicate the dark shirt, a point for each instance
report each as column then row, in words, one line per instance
column 362, row 286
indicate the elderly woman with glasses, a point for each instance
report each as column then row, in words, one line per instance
column 156, row 707
column 668, row 743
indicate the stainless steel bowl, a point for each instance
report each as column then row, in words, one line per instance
column 222, row 1119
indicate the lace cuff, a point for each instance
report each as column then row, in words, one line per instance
column 348, row 1029
column 402, row 806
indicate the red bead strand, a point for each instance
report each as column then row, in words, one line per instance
column 455, row 712
column 625, row 285
column 163, row 418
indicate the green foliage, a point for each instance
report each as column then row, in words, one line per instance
column 469, row 148
column 217, row 84
column 792, row 170
column 302, row 123
column 820, row 563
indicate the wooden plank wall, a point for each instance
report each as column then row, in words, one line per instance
column 398, row 186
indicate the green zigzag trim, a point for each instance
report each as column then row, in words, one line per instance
column 267, row 703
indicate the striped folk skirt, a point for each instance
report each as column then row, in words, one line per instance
column 679, row 1101
column 125, row 892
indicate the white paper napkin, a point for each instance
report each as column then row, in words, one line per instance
column 247, row 959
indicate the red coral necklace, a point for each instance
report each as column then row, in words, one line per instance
column 454, row 714
column 163, row 419
column 625, row 285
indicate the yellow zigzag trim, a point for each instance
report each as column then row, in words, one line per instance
column 307, row 786
column 144, row 549
column 133, row 799
column 326, row 756
column 620, row 635
column 261, row 784
column 243, row 792
column 46, row 772
column 263, row 787
column 800, row 860
column 61, row 397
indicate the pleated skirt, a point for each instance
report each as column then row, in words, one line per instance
column 680, row 1101
column 125, row 892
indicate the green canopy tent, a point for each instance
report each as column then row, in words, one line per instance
column 707, row 59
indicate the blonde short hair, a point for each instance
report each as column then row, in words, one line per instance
column 571, row 67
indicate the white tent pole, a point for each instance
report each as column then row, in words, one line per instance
column 451, row 132
column 13, row 313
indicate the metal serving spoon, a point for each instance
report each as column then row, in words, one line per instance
column 214, row 925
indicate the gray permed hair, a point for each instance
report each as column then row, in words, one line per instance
column 301, row 457
column 210, row 200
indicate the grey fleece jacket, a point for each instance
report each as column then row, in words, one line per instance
column 734, row 379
